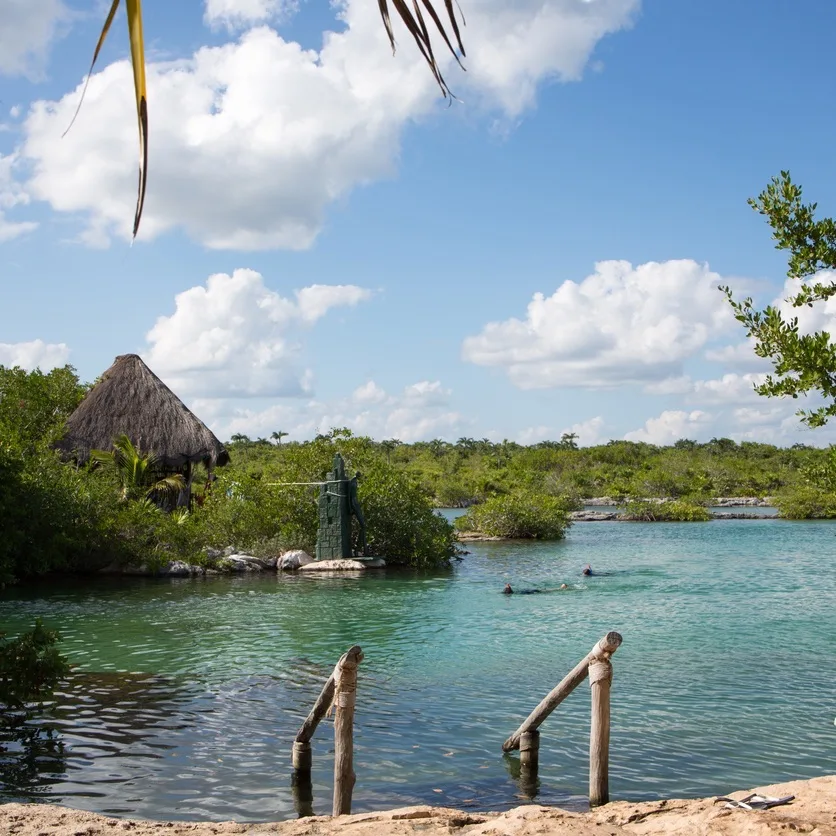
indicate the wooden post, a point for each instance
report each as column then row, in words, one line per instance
column 600, row 679
column 302, row 788
column 302, row 756
column 345, row 698
column 529, row 762
column 604, row 648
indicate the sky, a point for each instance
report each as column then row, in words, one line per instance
column 327, row 242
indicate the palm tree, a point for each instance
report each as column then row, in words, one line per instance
column 569, row 441
column 414, row 21
column 389, row 445
column 137, row 472
column 278, row 435
column 240, row 438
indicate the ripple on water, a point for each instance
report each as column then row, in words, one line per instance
column 187, row 694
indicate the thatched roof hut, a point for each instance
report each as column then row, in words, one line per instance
column 131, row 399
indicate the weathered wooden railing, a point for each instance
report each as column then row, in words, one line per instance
column 596, row 664
column 340, row 691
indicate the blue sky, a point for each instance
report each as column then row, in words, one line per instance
column 601, row 156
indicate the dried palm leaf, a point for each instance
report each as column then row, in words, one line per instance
column 413, row 20
column 134, row 9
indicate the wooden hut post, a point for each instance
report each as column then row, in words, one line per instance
column 600, row 679
column 345, row 698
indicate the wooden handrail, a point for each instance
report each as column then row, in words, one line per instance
column 339, row 691
column 596, row 664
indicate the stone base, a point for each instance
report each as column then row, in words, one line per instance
column 344, row 565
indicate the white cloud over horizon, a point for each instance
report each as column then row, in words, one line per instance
column 234, row 337
column 253, row 140
column 35, row 354
column 419, row 411
column 620, row 325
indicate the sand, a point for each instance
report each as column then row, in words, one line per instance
column 813, row 811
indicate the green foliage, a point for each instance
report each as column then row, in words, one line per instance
column 137, row 472
column 34, row 405
column 677, row 510
column 802, row 363
column 30, row 667
column 814, row 495
column 519, row 515
column 806, row 502
column 402, row 525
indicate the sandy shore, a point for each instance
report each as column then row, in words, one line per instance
column 813, row 811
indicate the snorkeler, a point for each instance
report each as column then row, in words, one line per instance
column 509, row 591
column 587, row 570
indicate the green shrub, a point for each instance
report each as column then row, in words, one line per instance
column 518, row 515
column 806, row 502
column 401, row 524
column 676, row 510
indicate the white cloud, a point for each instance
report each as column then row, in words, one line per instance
column 236, row 337
column 670, row 426
column 588, row 433
column 28, row 29
column 251, row 141
column 740, row 356
column 620, row 325
column 420, row 411
column 240, row 14
column 11, row 194
column 33, row 355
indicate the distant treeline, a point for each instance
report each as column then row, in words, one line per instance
column 472, row 470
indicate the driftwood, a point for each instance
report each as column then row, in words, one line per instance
column 345, row 698
column 602, row 650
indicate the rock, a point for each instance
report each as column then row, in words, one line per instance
column 242, row 563
column 272, row 562
column 213, row 554
column 177, row 569
column 345, row 565
column 229, row 551
column 593, row 516
column 292, row 560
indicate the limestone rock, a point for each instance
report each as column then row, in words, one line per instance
column 295, row 559
column 345, row 565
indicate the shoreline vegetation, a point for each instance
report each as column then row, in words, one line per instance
column 812, row 810
column 114, row 510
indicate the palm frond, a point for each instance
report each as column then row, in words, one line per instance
column 413, row 19
column 134, row 8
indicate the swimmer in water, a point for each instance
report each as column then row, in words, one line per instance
column 587, row 570
column 564, row 586
column 509, row 591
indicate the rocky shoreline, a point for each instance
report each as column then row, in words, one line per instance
column 229, row 561
column 812, row 811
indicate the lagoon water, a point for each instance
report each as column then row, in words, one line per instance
column 188, row 693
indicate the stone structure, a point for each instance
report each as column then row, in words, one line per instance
column 337, row 504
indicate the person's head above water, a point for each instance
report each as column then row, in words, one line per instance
column 564, row 586
column 507, row 590
column 587, row 570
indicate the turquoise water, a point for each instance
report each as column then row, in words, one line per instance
column 725, row 679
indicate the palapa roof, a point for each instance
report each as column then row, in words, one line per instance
column 129, row 398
